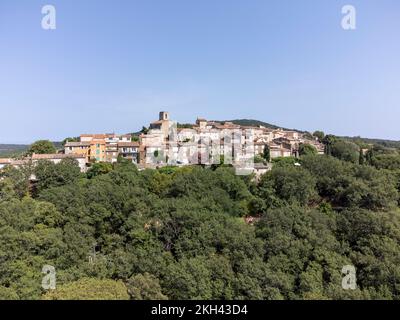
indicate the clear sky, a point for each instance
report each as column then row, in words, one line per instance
column 110, row 66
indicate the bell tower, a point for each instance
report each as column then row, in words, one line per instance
column 164, row 115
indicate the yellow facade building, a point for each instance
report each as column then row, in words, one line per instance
column 78, row 147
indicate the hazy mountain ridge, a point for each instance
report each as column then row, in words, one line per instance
column 9, row 150
column 13, row 149
column 256, row 123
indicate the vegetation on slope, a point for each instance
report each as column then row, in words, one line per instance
column 178, row 233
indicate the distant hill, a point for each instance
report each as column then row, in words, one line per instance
column 359, row 140
column 14, row 150
column 368, row 141
column 10, row 150
column 241, row 122
column 256, row 123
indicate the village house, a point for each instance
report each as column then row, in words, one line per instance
column 35, row 158
column 78, row 147
column 166, row 144
column 56, row 158
column 104, row 147
column 203, row 142
column 128, row 150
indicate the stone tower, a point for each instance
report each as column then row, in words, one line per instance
column 164, row 115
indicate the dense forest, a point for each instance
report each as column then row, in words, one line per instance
column 181, row 233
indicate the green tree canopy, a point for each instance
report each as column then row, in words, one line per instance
column 290, row 184
column 42, row 147
column 195, row 232
column 267, row 153
column 307, row 149
column 49, row 174
column 99, row 168
column 89, row 289
column 319, row 134
column 145, row 287
column 345, row 150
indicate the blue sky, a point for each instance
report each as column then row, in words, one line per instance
column 110, row 66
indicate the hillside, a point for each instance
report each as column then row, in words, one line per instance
column 9, row 150
column 382, row 142
column 120, row 231
column 13, row 150
column 256, row 123
column 359, row 140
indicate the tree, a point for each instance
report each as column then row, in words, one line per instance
column 50, row 174
column 89, row 289
column 8, row 294
column 258, row 159
column 328, row 141
column 145, row 287
column 17, row 179
column 307, row 149
column 144, row 130
column 42, row 147
column 99, row 168
column 135, row 137
column 345, row 150
column 319, row 134
column 308, row 135
column 351, row 185
column 361, row 160
column 284, row 161
column 180, row 232
column 7, row 191
column 267, row 153
column 290, row 184
column 386, row 161
column 200, row 277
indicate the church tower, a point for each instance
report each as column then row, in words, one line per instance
column 164, row 115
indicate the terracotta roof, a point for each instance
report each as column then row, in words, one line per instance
column 95, row 136
column 128, row 144
column 5, row 160
column 77, row 144
column 56, row 156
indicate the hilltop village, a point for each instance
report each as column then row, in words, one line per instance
column 167, row 143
